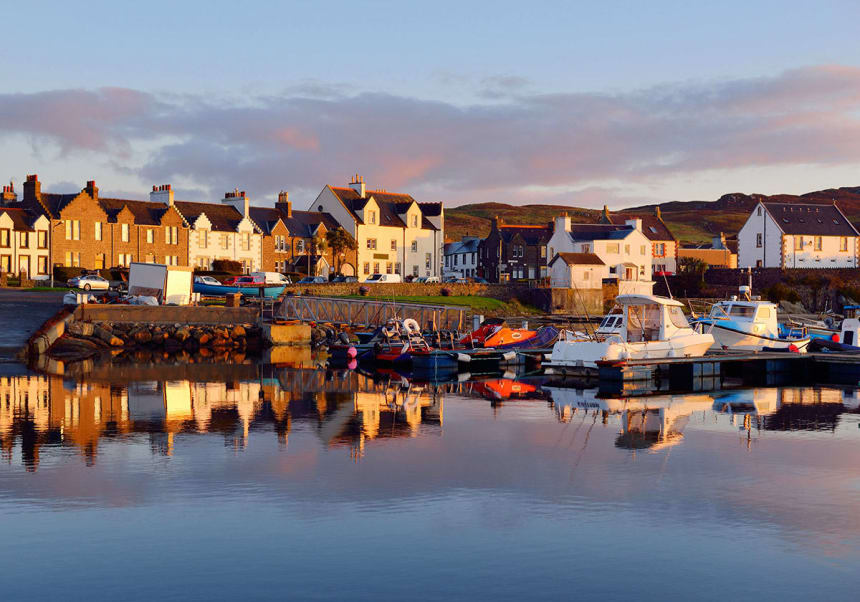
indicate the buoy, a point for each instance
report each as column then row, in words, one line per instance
column 352, row 365
column 793, row 348
column 351, row 352
column 835, row 338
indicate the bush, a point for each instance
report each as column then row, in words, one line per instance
column 445, row 292
column 227, row 266
column 64, row 273
column 781, row 292
column 363, row 291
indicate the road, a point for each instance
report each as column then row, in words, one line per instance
column 21, row 314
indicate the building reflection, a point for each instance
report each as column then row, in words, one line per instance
column 343, row 409
column 786, row 409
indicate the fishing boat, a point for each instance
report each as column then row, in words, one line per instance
column 749, row 324
column 848, row 339
column 652, row 328
column 400, row 342
column 220, row 290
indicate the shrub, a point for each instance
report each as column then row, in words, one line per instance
column 363, row 291
column 227, row 266
column 63, row 273
column 445, row 292
column 781, row 292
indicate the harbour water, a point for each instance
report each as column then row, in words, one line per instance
column 259, row 483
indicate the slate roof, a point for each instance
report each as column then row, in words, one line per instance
column 390, row 204
column 22, row 220
column 533, row 235
column 304, row 223
column 578, row 259
column 652, row 226
column 56, row 202
column 224, row 218
column 584, row 232
column 146, row 213
column 462, row 246
column 265, row 217
column 812, row 219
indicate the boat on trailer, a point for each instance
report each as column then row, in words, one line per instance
column 652, row 327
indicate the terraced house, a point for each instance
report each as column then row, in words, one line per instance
column 395, row 234
column 514, row 252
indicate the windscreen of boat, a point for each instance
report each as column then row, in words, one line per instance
column 677, row 317
column 643, row 322
column 742, row 311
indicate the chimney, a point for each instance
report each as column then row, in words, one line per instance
column 606, row 217
column 357, row 184
column 284, row 205
column 92, row 190
column 162, row 194
column 237, row 199
column 9, row 195
column 562, row 223
column 32, row 188
column 659, row 215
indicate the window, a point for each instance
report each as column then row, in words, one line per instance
column 552, row 252
column 543, row 252
column 428, row 258
column 393, row 245
column 414, row 221
column 367, row 267
column 43, row 265
column 586, row 248
column 612, row 248
column 397, row 268
column 73, row 260
column 371, row 244
column 758, row 263
column 203, row 239
column 414, row 246
column 586, row 275
column 100, row 261
column 843, row 243
column 150, row 236
column 758, row 211
column 300, row 246
column 246, row 241
column 371, row 217
column 414, row 270
column 642, row 250
column 5, row 263
column 150, row 258
column 758, row 239
column 98, row 231
column 742, row 311
column 171, row 259
column 375, row 267
column 660, row 249
column 124, row 233
column 73, row 229
column 388, row 267
column 456, row 259
column 125, row 259
column 171, row 235
column 225, row 241
column 42, row 239
column 627, row 249
column 677, row 318
column 798, row 243
column 818, row 244
column 24, row 240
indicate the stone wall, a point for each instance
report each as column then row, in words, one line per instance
column 166, row 314
column 567, row 301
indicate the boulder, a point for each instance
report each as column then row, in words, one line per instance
column 107, row 336
column 81, row 329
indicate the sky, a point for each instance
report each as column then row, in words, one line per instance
column 580, row 103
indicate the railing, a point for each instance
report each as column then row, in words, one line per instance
column 367, row 312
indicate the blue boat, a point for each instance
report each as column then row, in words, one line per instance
column 220, row 290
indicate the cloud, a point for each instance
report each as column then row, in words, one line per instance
column 512, row 146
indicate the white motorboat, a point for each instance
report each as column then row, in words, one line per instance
column 652, row 328
column 749, row 325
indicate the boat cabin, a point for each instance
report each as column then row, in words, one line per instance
column 651, row 318
column 761, row 314
column 850, row 331
column 611, row 323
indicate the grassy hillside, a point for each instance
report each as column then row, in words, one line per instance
column 690, row 221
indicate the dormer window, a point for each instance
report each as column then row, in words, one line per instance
column 371, row 217
column 414, row 221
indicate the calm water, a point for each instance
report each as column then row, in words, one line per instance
column 296, row 484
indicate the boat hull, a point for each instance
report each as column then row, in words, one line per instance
column 589, row 353
column 211, row 290
column 731, row 338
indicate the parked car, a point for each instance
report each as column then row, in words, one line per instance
column 250, row 281
column 89, row 282
column 207, row 280
column 455, row 280
column 374, row 278
column 312, row 280
column 272, row 277
column 428, row 280
column 344, row 279
column 231, row 280
column 478, row 280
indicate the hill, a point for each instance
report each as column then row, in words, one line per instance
column 690, row 221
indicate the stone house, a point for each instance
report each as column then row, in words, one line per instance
column 24, row 247
column 514, row 252
column 461, row 257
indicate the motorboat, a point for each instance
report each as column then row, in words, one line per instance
column 652, row 327
column 751, row 325
column 495, row 333
column 220, row 290
column 848, row 339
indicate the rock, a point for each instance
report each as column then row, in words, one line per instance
column 204, row 339
column 81, row 329
column 107, row 336
column 238, row 332
column 142, row 337
column 182, row 334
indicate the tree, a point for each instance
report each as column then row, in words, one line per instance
column 691, row 275
column 340, row 241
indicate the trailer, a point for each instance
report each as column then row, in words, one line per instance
column 169, row 284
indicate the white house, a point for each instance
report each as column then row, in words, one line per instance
column 394, row 233
column 664, row 245
column 797, row 235
column 24, row 243
column 577, row 270
column 624, row 250
column 219, row 231
column 461, row 258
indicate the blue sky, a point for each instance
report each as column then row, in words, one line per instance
column 557, row 102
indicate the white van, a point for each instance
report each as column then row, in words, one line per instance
column 271, row 277
column 384, row 278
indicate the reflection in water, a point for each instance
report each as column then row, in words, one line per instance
column 344, row 409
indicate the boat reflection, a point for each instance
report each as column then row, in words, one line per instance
column 653, row 422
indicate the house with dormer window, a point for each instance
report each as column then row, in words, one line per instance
column 797, row 235
column 395, row 234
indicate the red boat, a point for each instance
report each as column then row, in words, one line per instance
column 493, row 332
